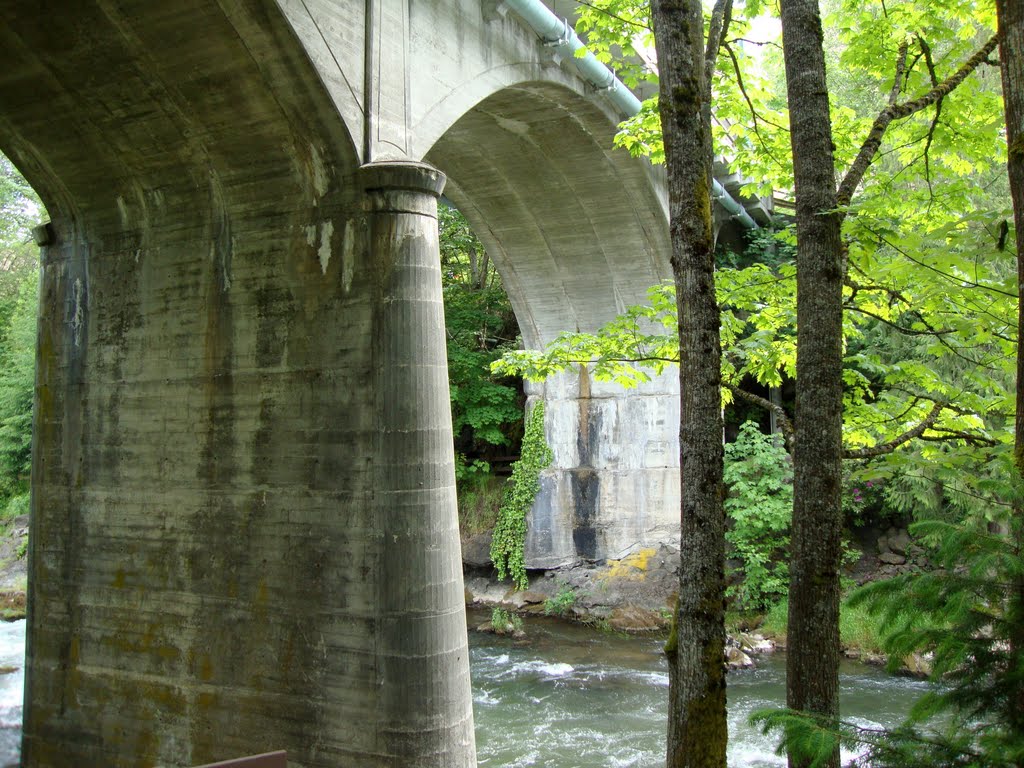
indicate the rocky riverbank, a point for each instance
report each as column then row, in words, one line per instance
column 13, row 569
column 635, row 594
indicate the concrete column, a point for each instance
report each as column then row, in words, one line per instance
column 426, row 709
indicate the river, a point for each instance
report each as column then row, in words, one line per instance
column 571, row 697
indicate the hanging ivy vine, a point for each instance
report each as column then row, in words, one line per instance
column 521, row 490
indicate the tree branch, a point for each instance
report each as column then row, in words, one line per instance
column 930, row 64
column 746, row 97
column 928, row 331
column 780, row 414
column 859, row 167
column 957, row 281
column 896, row 442
column 901, row 64
column 608, row 13
column 721, row 17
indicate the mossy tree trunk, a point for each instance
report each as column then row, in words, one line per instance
column 697, row 730
column 813, row 658
column 1011, row 56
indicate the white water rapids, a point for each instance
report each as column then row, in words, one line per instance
column 571, row 697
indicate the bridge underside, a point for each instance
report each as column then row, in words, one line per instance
column 244, row 534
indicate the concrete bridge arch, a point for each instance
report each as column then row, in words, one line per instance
column 578, row 231
column 244, row 533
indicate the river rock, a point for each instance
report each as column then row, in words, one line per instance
column 511, row 631
column 899, row 542
column 480, row 589
column 755, row 644
column 528, row 598
column 916, row 665
column 476, row 550
column 892, row 558
column 630, row 618
column 737, row 659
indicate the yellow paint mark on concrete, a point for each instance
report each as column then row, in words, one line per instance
column 632, row 567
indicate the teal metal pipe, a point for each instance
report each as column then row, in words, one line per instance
column 559, row 34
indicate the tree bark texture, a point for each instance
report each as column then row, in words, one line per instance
column 813, row 658
column 697, row 730
column 1011, row 56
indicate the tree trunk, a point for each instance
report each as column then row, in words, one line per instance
column 1011, row 56
column 697, row 730
column 813, row 656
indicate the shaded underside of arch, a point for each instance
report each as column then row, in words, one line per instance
column 578, row 231
column 576, row 226
column 114, row 112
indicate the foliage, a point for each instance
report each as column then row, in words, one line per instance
column 17, row 373
column 480, row 326
column 479, row 500
column 863, row 499
column 776, row 620
column 962, row 615
column 759, row 503
column 19, row 285
column 16, row 506
column 955, row 383
column 20, row 209
column 561, row 603
column 521, row 490
column 505, row 623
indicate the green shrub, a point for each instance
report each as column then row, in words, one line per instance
column 776, row 620
column 479, row 501
column 759, row 504
column 561, row 604
column 16, row 506
column 505, row 623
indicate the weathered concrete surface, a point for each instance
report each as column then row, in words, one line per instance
column 240, row 380
column 576, row 228
column 243, row 516
column 425, row 715
column 613, row 486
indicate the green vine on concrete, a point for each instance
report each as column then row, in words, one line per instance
column 521, row 490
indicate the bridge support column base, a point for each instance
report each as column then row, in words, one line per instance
column 426, row 710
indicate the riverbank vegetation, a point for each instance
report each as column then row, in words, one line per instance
column 896, row 324
column 19, row 281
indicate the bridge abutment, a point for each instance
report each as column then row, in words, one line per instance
column 613, row 485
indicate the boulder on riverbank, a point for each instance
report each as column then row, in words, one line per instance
column 631, row 594
column 13, row 569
